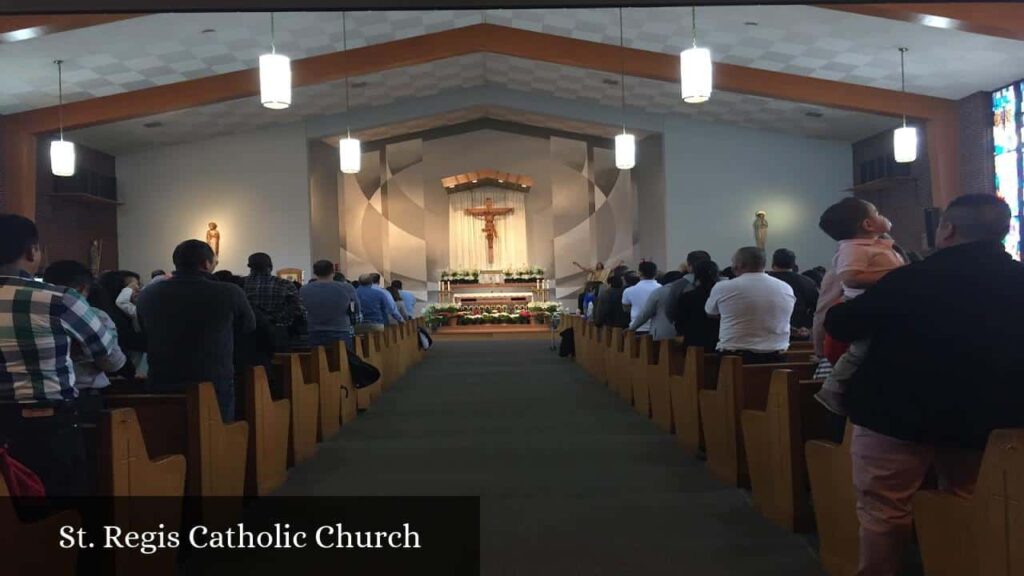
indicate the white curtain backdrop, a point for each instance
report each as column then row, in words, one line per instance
column 468, row 245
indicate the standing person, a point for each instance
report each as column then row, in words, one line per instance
column 608, row 310
column 688, row 269
column 38, row 420
column 330, row 306
column 190, row 323
column 942, row 372
column 396, row 296
column 634, row 297
column 754, row 309
column 804, row 289
column 408, row 298
column 692, row 321
column 654, row 310
column 394, row 315
column 276, row 297
column 373, row 304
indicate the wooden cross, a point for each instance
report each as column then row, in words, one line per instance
column 488, row 213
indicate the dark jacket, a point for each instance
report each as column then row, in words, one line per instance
column 609, row 311
column 692, row 323
column 944, row 364
column 190, row 322
column 806, row 292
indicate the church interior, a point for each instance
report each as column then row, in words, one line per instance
column 495, row 163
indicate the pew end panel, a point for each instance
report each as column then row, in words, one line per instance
column 946, row 534
column 698, row 368
column 337, row 357
column 315, row 368
column 305, row 403
column 835, row 504
column 646, row 355
column 269, row 426
column 27, row 547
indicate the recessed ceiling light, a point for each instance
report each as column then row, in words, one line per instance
column 610, row 82
column 207, row 31
column 155, row 124
column 813, row 114
column 750, row 23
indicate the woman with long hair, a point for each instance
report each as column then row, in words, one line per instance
column 692, row 323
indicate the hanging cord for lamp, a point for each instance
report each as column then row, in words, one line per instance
column 622, row 71
column 60, row 98
column 344, row 48
column 273, row 43
column 903, row 80
column 693, row 22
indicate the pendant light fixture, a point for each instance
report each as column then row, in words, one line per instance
column 350, row 154
column 62, row 152
column 275, row 76
column 695, row 69
column 625, row 143
column 904, row 139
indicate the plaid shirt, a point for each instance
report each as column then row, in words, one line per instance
column 38, row 322
column 276, row 297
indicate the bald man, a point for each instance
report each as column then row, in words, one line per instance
column 942, row 371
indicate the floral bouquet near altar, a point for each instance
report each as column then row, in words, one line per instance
column 463, row 276
column 523, row 274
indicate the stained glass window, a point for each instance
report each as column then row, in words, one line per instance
column 1007, row 135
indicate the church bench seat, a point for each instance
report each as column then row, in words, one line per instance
column 614, row 359
column 305, row 403
column 774, row 437
column 337, row 357
column 700, row 371
column 798, row 355
column 366, row 350
column 835, row 504
column 316, row 369
column 646, row 357
column 125, row 470
column 738, row 386
column 269, row 428
column 27, row 547
column 630, row 360
column 981, row 534
column 669, row 358
column 599, row 344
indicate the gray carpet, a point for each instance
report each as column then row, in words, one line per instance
column 572, row 480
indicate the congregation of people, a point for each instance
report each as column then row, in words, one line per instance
column 918, row 355
column 66, row 334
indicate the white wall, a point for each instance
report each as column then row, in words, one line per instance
column 254, row 185
column 718, row 176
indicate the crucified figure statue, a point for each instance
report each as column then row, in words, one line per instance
column 488, row 213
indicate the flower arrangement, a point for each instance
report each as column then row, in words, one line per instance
column 523, row 274
column 461, row 276
column 543, row 307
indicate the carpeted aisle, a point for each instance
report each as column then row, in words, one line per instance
column 572, row 480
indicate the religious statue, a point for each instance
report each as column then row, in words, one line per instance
column 761, row 229
column 95, row 255
column 213, row 238
column 488, row 213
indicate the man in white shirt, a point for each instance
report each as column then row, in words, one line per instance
column 635, row 297
column 755, row 310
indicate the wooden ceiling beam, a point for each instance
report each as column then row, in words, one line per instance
column 27, row 27
column 999, row 19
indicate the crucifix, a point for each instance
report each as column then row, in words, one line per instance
column 488, row 213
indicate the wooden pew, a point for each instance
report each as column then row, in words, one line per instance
column 630, row 360
column 774, row 435
column 835, row 504
column 614, row 359
column 646, row 358
column 981, row 534
column 582, row 338
column 739, row 386
column 366, row 350
column 269, row 428
column 315, row 368
column 305, row 403
column 29, row 547
column 599, row 345
column 124, row 469
column 191, row 424
column 337, row 358
column 700, row 371
column 659, row 376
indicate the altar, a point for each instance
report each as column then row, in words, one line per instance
column 512, row 295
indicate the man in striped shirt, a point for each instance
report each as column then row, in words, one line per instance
column 38, row 323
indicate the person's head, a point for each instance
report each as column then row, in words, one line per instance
column 648, row 270
column 630, row 278
column 705, row 274
column 747, row 260
column 394, row 293
column 70, row 274
column 599, row 266
column 157, row 273
column 260, row 263
column 339, row 277
column 374, row 278
column 671, row 276
column 692, row 259
column 396, row 284
column 364, row 280
column 783, row 260
column 323, row 269
column 853, row 218
column 727, row 273
column 225, row 276
column 973, row 218
column 19, row 243
column 132, row 279
column 817, row 274
column 620, row 270
column 615, row 281
column 194, row 256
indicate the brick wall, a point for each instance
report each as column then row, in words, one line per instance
column 977, row 172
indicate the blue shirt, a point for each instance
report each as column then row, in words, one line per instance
column 409, row 299
column 327, row 305
column 374, row 304
column 392, row 306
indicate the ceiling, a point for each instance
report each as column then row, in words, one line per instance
column 475, row 70
column 166, row 48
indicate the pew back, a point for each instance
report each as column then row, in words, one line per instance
column 269, row 423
